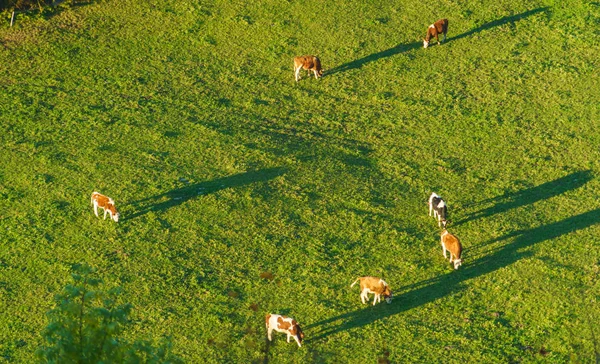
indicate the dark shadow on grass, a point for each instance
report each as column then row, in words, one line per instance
column 424, row 292
column 402, row 48
column 181, row 195
column 266, row 351
column 531, row 195
column 499, row 22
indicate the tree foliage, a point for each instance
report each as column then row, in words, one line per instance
column 24, row 4
column 87, row 326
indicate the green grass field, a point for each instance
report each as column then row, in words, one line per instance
column 243, row 193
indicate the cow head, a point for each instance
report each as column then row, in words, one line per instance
column 297, row 331
column 387, row 295
column 457, row 263
column 425, row 43
column 115, row 217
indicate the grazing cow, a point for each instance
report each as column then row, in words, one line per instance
column 309, row 63
column 453, row 246
column 284, row 324
column 434, row 30
column 373, row 285
column 107, row 204
column 438, row 207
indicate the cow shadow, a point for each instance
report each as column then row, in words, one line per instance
column 430, row 290
column 403, row 48
column 501, row 21
column 528, row 196
column 178, row 196
column 400, row 48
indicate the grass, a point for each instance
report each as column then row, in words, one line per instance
column 242, row 192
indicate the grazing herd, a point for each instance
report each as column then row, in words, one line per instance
column 368, row 285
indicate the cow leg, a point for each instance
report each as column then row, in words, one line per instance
column 298, row 73
column 437, row 37
column 288, row 337
column 363, row 296
column 430, row 209
column 297, row 341
column 316, row 74
column 96, row 209
column 105, row 214
column 269, row 331
column 443, row 249
column 375, row 299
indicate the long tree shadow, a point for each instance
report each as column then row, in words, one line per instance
column 181, row 195
column 431, row 290
column 402, row 48
column 531, row 195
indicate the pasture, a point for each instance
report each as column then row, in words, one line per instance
column 242, row 192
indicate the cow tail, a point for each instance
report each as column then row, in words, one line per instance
column 356, row 281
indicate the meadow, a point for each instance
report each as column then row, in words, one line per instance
column 242, row 192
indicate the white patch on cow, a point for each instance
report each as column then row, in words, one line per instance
column 432, row 26
column 441, row 204
column 425, row 44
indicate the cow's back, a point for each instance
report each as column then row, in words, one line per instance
column 452, row 243
column 307, row 62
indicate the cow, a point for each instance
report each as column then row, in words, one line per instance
column 106, row 203
column 309, row 63
column 434, row 30
column 285, row 325
column 438, row 206
column 373, row 285
column 451, row 244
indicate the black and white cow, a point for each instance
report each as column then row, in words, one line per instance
column 438, row 207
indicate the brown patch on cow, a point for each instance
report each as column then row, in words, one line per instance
column 267, row 275
column 253, row 307
column 267, row 319
column 294, row 329
column 282, row 325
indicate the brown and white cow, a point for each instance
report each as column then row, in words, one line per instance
column 285, row 325
column 309, row 63
column 434, row 30
column 107, row 204
column 373, row 285
column 451, row 244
